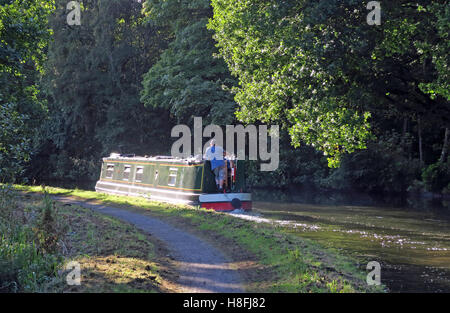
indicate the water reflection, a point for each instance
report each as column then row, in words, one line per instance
column 410, row 237
column 427, row 202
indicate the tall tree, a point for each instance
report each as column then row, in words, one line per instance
column 188, row 80
column 320, row 70
column 24, row 35
column 14, row 143
column 93, row 84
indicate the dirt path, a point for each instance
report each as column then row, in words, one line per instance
column 202, row 267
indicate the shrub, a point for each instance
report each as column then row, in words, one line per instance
column 417, row 186
column 436, row 176
column 22, row 266
column 28, row 254
column 446, row 190
column 382, row 167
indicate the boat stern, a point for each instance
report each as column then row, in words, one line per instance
column 226, row 201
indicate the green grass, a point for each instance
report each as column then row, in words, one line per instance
column 280, row 262
column 28, row 257
column 39, row 236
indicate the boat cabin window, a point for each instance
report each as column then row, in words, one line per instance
column 139, row 174
column 172, row 176
column 109, row 170
column 126, row 172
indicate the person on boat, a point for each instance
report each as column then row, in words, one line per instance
column 216, row 154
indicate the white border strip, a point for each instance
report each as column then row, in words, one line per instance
column 225, row 197
column 148, row 188
column 170, row 200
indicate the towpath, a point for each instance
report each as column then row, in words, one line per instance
column 202, row 267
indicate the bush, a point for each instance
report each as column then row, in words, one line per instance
column 417, row 186
column 300, row 167
column 67, row 168
column 382, row 168
column 436, row 176
column 28, row 256
column 22, row 266
column 446, row 190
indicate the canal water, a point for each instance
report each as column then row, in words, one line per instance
column 410, row 238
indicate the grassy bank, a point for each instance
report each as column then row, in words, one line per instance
column 40, row 236
column 267, row 257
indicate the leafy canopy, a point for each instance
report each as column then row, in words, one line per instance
column 318, row 69
column 188, row 80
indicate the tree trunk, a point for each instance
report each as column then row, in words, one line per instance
column 419, row 127
column 445, row 146
column 405, row 125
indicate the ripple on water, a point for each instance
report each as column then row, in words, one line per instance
column 414, row 247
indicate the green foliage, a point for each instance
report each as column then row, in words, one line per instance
column 14, row 144
column 188, row 81
column 50, row 228
column 436, row 48
column 382, row 168
column 24, row 265
column 446, row 190
column 410, row 60
column 319, row 70
column 436, row 176
column 176, row 14
column 24, row 32
column 289, row 76
column 24, row 35
column 303, row 167
column 92, row 83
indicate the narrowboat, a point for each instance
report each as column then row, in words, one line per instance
column 187, row 181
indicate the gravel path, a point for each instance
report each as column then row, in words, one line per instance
column 202, row 267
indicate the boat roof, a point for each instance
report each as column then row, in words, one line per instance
column 170, row 159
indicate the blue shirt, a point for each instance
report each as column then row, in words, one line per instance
column 215, row 155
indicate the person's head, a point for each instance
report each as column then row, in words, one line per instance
column 212, row 143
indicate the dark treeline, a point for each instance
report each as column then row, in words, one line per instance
column 361, row 107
